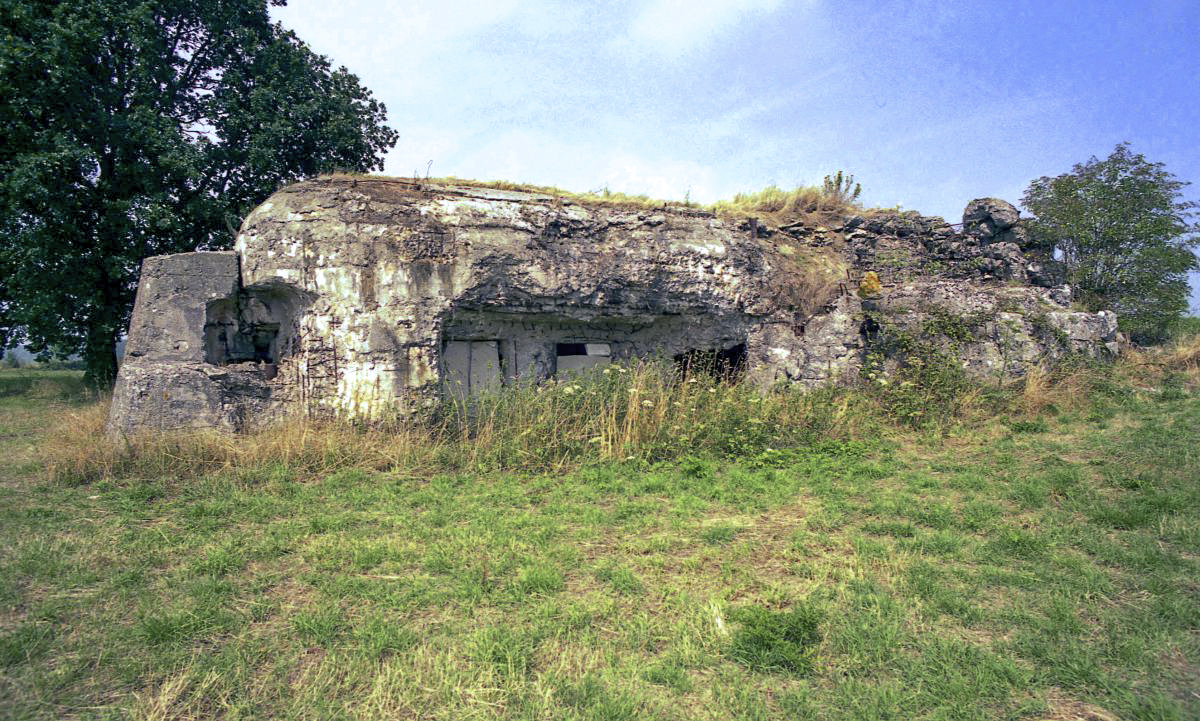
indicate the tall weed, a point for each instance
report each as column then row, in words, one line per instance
column 643, row 412
column 646, row 411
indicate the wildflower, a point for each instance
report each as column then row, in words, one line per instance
column 596, row 439
column 607, row 371
column 712, row 390
column 648, row 403
column 622, row 370
column 569, row 390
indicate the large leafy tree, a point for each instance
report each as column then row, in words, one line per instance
column 1124, row 230
column 132, row 128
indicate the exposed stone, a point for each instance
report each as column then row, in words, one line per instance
column 162, row 396
column 995, row 331
column 988, row 217
column 367, row 296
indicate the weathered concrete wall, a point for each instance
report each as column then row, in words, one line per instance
column 169, row 313
column 351, row 289
column 397, row 269
column 167, row 379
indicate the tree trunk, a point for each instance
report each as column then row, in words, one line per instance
column 100, row 356
column 104, row 327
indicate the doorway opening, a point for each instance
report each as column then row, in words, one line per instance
column 724, row 364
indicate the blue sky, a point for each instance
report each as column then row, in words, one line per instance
column 929, row 104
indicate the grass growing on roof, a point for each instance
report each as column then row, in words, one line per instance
column 837, row 196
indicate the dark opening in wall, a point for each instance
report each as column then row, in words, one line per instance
column 222, row 341
column 534, row 346
column 265, row 339
column 563, row 349
column 578, row 356
column 727, row 364
column 255, row 326
column 230, row 341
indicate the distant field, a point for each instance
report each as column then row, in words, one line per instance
column 1032, row 562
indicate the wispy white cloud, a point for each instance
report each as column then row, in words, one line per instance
column 583, row 165
column 675, row 28
column 404, row 29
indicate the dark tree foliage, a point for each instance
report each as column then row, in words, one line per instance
column 132, row 129
column 1124, row 230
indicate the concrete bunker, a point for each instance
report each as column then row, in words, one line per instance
column 364, row 297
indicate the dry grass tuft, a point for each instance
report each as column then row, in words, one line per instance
column 1183, row 354
column 804, row 204
column 175, row 699
column 1176, row 364
column 77, row 451
column 1042, row 390
column 1072, row 710
column 645, row 411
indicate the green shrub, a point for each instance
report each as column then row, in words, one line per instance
column 927, row 387
column 1185, row 327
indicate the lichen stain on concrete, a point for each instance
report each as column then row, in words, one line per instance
column 360, row 284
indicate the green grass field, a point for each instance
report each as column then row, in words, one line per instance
column 1006, row 566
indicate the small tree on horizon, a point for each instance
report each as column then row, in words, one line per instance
column 139, row 127
column 1123, row 229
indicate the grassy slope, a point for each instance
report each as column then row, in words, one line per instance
column 1005, row 570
